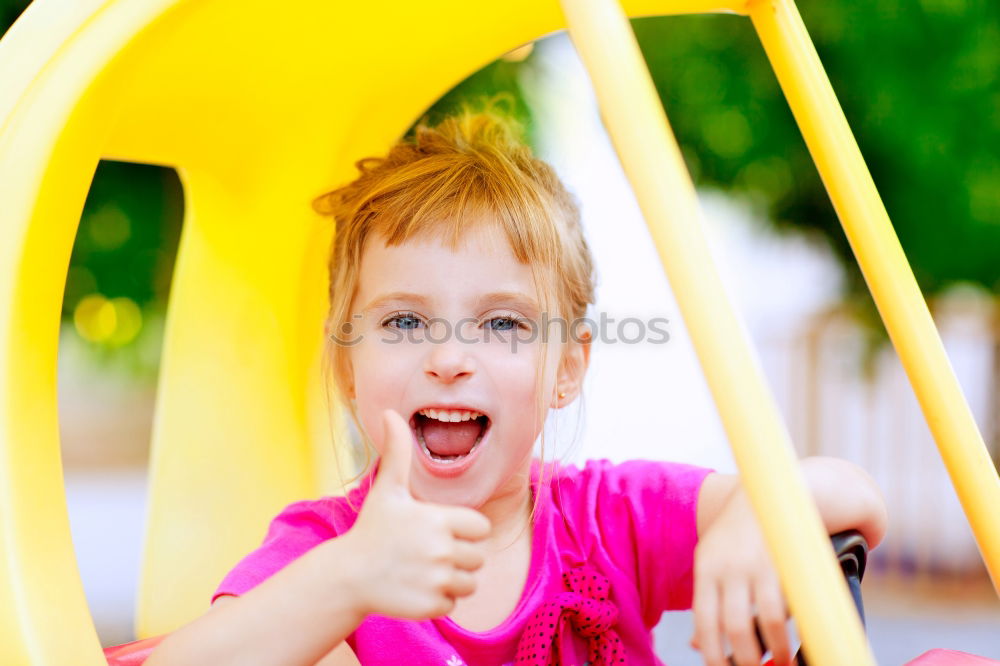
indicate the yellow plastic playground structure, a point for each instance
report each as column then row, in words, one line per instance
column 258, row 110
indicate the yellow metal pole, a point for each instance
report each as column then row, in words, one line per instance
column 885, row 268
column 799, row 546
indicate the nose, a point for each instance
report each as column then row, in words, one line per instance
column 449, row 360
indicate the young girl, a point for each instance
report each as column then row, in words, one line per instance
column 460, row 279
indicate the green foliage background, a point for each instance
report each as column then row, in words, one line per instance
column 918, row 82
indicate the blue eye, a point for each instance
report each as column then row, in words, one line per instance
column 409, row 321
column 508, row 323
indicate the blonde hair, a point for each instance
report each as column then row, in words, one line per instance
column 472, row 168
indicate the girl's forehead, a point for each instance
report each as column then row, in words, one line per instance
column 482, row 264
column 475, row 237
column 479, row 254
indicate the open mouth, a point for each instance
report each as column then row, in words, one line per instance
column 448, row 436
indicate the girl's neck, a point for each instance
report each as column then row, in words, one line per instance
column 509, row 513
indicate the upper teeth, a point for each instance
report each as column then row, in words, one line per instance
column 451, row 415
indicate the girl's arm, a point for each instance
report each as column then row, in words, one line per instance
column 342, row 655
column 295, row 617
column 845, row 495
column 735, row 582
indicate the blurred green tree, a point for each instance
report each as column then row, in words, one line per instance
column 919, row 83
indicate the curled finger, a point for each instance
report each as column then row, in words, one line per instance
column 467, row 556
column 737, row 622
column 771, row 618
column 466, row 523
column 460, row 584
column 707, row 624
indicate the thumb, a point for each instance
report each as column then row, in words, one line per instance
column 397, row 450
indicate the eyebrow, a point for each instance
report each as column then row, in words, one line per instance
column 492, row 298
column 394, row 297
column 514, row 297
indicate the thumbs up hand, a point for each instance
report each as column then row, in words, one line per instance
column 415, row 557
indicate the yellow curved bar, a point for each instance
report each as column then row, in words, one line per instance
column 56, row 111
column 885, row 268
column 813, row 583
column 258, row 110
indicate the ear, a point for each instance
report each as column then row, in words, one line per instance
column 572, row 367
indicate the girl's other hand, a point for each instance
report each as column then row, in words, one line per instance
column 733, row 577
column 414, row 557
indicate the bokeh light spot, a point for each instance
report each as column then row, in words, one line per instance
column 109, row 227
column 95, row 318
column 128, row 318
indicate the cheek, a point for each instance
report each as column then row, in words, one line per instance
column 514, row 374
column 379, row 375
column 377, row 362
column 521, row 405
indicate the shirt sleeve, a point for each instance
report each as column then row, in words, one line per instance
column 647, row 512
column 300, row 527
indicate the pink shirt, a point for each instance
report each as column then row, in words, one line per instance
column 632, row 523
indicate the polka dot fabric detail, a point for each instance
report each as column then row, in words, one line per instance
column 590, row 614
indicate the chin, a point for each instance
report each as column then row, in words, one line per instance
column 456, row 493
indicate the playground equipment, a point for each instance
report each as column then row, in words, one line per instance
column 259, row 109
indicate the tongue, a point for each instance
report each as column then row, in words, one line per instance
column 450, row 439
